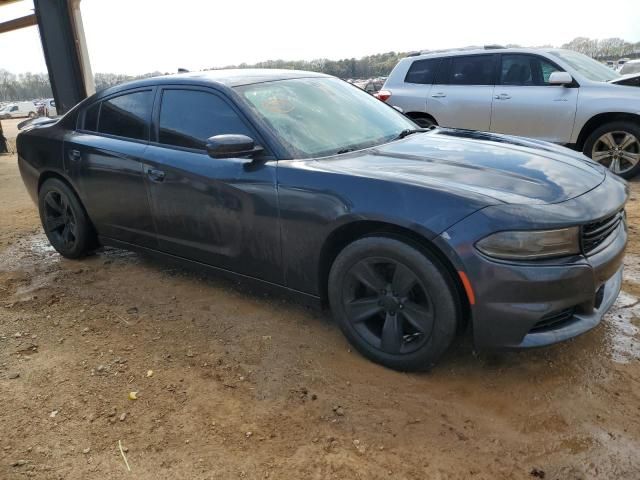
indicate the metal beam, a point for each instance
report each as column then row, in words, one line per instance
column 65, row 51
column 18, row 23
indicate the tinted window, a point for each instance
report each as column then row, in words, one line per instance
column 189, row 117
column 473, row 70
column 422, row 71
column 126, row 115
column 91, row 117
column 526, row 70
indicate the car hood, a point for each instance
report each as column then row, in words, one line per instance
column 503, row 168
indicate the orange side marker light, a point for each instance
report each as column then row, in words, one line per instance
column 467, row 287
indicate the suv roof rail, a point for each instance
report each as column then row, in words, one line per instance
column 458, row 49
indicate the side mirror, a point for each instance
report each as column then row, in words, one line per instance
column 560, row 78
column 232, row 146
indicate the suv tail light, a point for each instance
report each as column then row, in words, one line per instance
column 383, row 95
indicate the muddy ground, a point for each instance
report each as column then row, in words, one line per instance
column 251, row 387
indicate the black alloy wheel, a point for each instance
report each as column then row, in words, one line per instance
column 395, row 302
column 388, row 305
column 64, row 220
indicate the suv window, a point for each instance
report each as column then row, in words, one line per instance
column 126, row 115
column 526, row 70
column 472, row 70
column 189, row 117
column 422, row 71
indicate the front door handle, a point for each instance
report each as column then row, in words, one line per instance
column 155, row 175
column 439, row 95
column 75, row 155
column 502, row 96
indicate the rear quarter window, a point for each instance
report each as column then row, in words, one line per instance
column 422, row 71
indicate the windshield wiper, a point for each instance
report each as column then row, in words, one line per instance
column 345, row 150
column 410, row 131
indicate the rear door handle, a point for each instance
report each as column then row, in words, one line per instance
column 155, row 175
column 439, row 95
column 75, row 155
column 502, row 96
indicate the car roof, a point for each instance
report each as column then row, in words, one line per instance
column 479, row 51
column 226, row 77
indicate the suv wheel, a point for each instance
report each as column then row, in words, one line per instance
column 616, row 145
column 396, row 306
column 423, row 122
column 64, row 220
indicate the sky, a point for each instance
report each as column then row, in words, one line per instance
column 139, row 36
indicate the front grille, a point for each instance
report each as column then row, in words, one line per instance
column 553, row 320
column 595, row 233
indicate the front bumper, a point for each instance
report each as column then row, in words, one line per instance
column 532, row 304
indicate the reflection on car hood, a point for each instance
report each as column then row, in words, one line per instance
column 508, row 169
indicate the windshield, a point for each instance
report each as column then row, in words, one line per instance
column 586, row 66
column 316, row 117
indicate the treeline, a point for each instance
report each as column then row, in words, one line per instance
column 29, row 86
column 365, row 67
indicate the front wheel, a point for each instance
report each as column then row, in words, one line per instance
column 64, row 220
column 396, row 305
column 616, row 145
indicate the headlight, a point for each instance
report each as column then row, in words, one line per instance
column 531, row 244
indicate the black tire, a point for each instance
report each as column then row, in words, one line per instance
column 598, row 150
column 408, row 329
column 64, row 220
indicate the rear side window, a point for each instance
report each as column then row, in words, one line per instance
column 472, row 70
column 189, row 117
column 91, row 117
column 126, row 115
column 422, row 71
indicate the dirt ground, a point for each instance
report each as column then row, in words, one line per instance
column 249, row 386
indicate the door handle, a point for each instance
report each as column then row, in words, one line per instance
column 502, row 96
column 439, row 95
column 155, row 175
column 75, row 155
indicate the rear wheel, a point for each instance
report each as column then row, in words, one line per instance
column 64, row 220
column 396, row 305
column 616, row 145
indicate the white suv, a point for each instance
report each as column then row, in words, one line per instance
column 555, row 95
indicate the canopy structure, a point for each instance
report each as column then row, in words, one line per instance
column 64, row 46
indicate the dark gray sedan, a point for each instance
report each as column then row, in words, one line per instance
column 301, row 182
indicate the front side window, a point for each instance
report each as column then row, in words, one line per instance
column 422, row 71
column 526, row 70
column 472, row 70
column 320, row 116
column 14, row 108
column 126, row 115
column 189, row 117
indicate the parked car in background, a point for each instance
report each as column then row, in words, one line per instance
column 630, row 80
column 50, row 107
column 371, row 85
column 632, row 66
column 554, row 95
column 407, row 233
column 18, row 110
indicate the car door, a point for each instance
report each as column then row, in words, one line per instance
column 462, row 92
column 221, row 212
column 526, row 104
column 104, row 157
